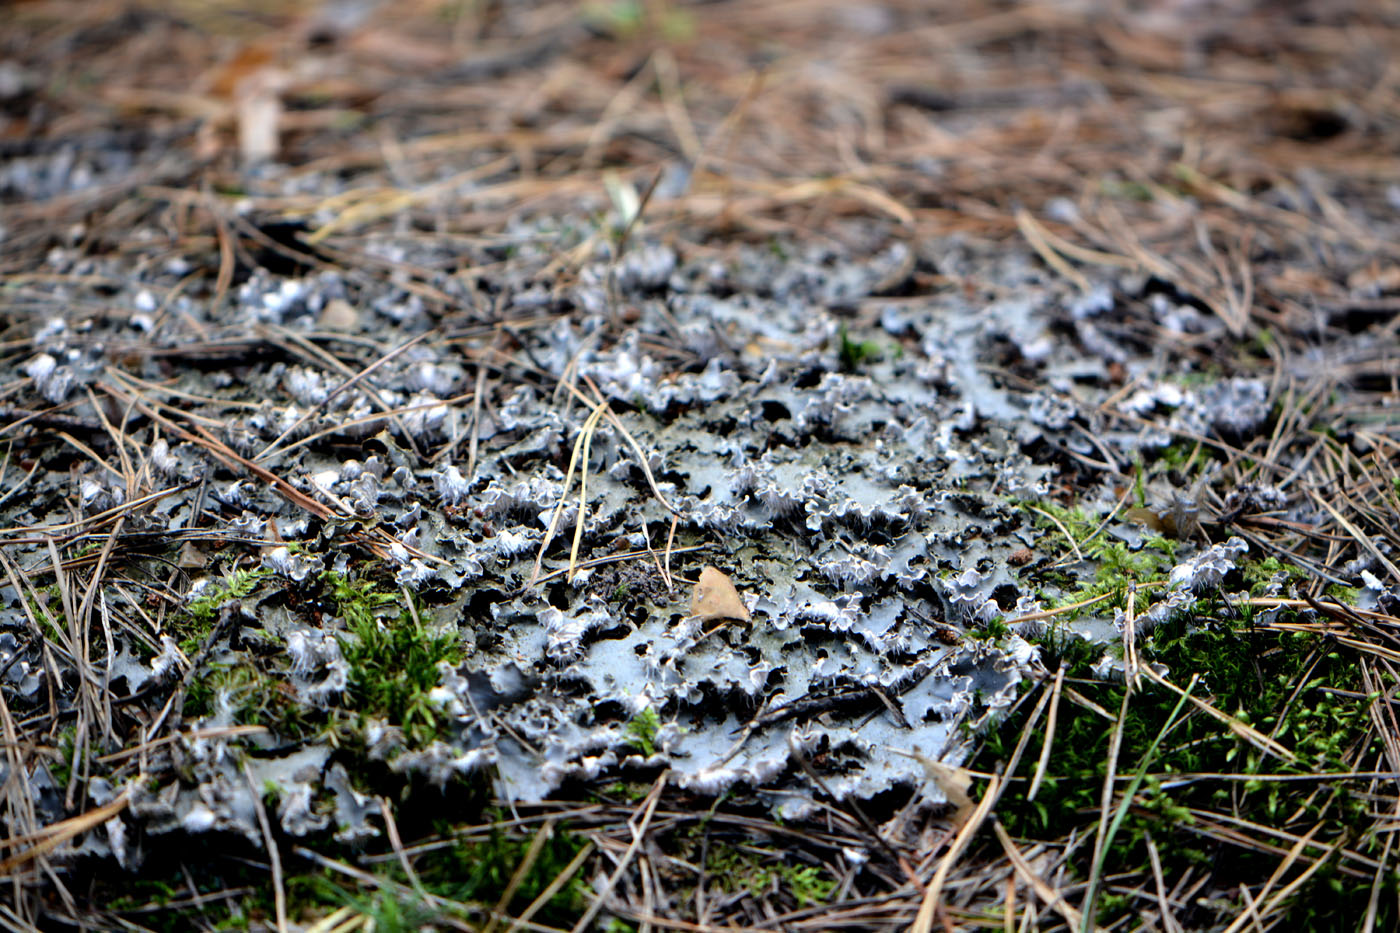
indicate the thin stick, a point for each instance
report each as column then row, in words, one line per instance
column 1168, row 919
column 1033, row 234
column 1065, row 531
column 638, row 834
column 1050, row 721
column 517, row 878
column 612, row 559
column 641, row 455
column 474, row 443
column 279, row 891
column 1242, row 729
column 1102, row 842
column 1130, row 655
column 563, row 497
column 13, row 490
column 344, row 386
column 670, row 540
column 1293, row 885
column 1362, row 539
column 589, row 429
column 1106, row 800
column 391, row 826
column 553, row 887
column 50, row 837
column 1042, row 890
column 923, row 921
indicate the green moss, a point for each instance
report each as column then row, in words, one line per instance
column 994, row 631
column 630, row 791
column 1333, row 901
column 161, row 897
column 468, row 874
column 256, row 698
column 469, row 871
column 1129, row 190
column 48, row 621
column 1073, row 519
column 478, row 869
column 628, row 19
column 357, row 601
column 62, row 770
column 855, row 352
column 193, row 627
column 1182, row 456
column 393, row 664
column 1116, row 565
column 622, row 18
column 393, row 660
column 391, row 910
column 807, row 883
column 1344, row 594
column 1281, row 683
column 642, row 731
column 1119, row 565
column 755, row 869
column 143, row 891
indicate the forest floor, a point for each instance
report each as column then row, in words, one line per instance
column 655, row 465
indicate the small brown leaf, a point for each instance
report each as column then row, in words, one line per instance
column 952, row 781
column 715, row 598
column 191, row 557
column 257, row 101
column 339, row 314
column 955, row 783
column 1146, row 517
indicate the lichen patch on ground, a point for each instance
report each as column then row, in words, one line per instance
column 378, row 384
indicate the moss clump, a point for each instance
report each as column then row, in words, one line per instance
column 1297, row 688
column 853, row 353
column 191, row 629
column 237, row 585
column 393, row 660
column 758, row 869
column 1116, row 565
column 642, row 730
column 255, row 697
column 1258, row 574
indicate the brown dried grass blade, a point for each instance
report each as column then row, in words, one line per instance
column 928, row 907
column 51, row 837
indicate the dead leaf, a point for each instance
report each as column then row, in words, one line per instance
column 191, row 557
column 715, row 598
column 339, row 314
column 955, row 783
column 257, row 100
column 1147, row 518
column 1375, row 279
column 952, row 781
